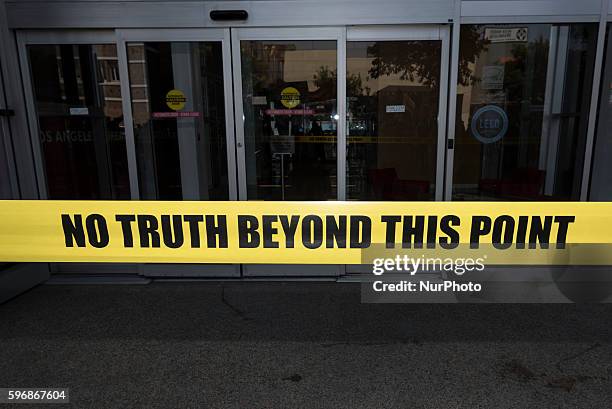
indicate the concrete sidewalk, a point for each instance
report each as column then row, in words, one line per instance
column 300, row 345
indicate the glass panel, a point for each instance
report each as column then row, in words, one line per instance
column 601, row 171
column 290, row 122
column 523, row 104
column 80, row 119
column 393, row 95
column 179, row 120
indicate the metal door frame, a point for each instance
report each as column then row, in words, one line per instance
column 6, row 145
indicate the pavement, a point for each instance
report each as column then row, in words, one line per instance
column 300, row 345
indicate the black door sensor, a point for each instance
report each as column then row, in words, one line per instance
column 225, row 15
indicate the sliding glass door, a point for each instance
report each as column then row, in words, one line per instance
column 182, row 123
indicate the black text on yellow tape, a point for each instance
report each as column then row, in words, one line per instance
column 284, row 232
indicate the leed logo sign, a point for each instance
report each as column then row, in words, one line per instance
column 290, row 97
column 489, row 124
column 175, row 99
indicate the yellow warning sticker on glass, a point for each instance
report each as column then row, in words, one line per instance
column 175, row 99
column 290, row 97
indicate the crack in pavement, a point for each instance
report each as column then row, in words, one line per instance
column 235, row 309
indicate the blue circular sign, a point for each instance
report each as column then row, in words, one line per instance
column 489, row 124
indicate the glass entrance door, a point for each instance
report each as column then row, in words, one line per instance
column 354, row 113
column 396, row 89
column 392, row 88
column 328, row 113
column 182, row 123
column 75, row 111
column 140, row 114
column 180, row 92
column 396, row 94
column 523, row 97
column 76, row 107
column 288, row 120
column 286, row 90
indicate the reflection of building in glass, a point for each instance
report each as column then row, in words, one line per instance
column 80, row 120
column 290, row 150
column 535, row 74
column 179, row 157
column 104, row 58
column 392, row 113
column 398, row 144
column 108, row 72
column 138, row 83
